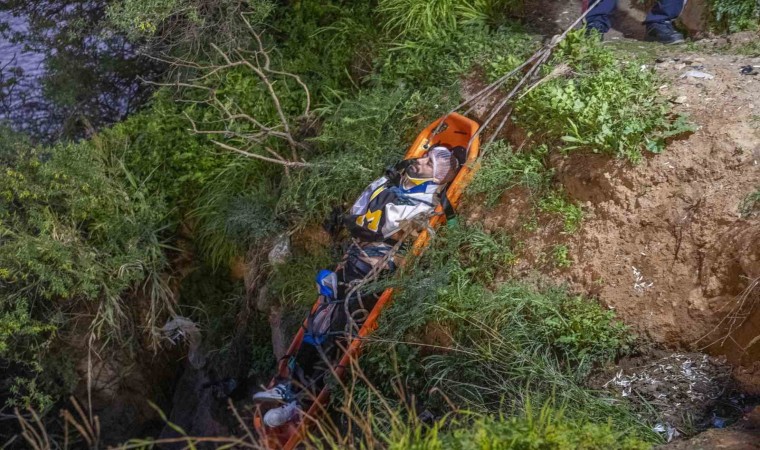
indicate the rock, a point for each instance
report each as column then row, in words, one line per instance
column 179, row 329
column 680, row 100
column 280, row 252
column 694, row 16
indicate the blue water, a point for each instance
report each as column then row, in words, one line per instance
column 26, row 66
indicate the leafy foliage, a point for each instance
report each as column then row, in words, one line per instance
column 735, row 15
column 558, row 203
column 77, row 231
column 437, row 19
column 505, row 168
column 605, row 105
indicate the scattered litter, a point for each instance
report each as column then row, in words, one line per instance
column 280, row 252
column 748, row 70
column 718, row 422
column 670, row 386
column 680, row 100
column 639, row 285
column 668, row 431
column 179, row 329
column 698, row 74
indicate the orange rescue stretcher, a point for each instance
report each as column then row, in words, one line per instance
column 456, row 130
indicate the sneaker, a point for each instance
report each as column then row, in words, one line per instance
column 664, row 33
column 596, row 29
column 282, row 415
column 279, row 393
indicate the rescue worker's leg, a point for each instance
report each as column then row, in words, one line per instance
column 659, row 22
column 598, row 19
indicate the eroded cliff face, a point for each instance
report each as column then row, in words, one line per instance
column 669, row 244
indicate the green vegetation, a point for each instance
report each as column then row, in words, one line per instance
column 561, row 256
column 557, row 203
column 506, row 168
column 544, row 429
column 750, row 206
column 78, row 231
column 593, row 101
column 735, row 15
column 440, row 18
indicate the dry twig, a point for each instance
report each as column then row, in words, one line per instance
column 246, row 134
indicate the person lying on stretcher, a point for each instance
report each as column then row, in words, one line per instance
column 378, row 223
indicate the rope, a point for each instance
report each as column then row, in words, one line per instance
column 530, row 66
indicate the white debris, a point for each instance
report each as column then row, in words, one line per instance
column 667, row 430
column 639, row 284
column 280, row 252
column 698, row 74
column 673, row 385
column 179, row 329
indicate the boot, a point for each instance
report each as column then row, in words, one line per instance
column 664, row 33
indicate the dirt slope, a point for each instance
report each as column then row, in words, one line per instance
column 664, row 243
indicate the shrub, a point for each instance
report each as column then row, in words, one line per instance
column 735, row 15
column 77, row 232
column 750, row 206
column 604, row 105
column 544, row 429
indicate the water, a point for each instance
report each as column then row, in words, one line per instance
column 91, row 95
column 14, row 55
column 21, row 72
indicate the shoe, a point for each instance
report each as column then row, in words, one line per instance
column 595, row 29
column 664, row 33
column 282, row 415
column 279, row 393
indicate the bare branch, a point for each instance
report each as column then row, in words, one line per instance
column 281, row 161
column 238, row 123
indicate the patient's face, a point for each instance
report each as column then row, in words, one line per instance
column 421, row 168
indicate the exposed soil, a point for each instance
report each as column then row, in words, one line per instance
column 663, row 243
